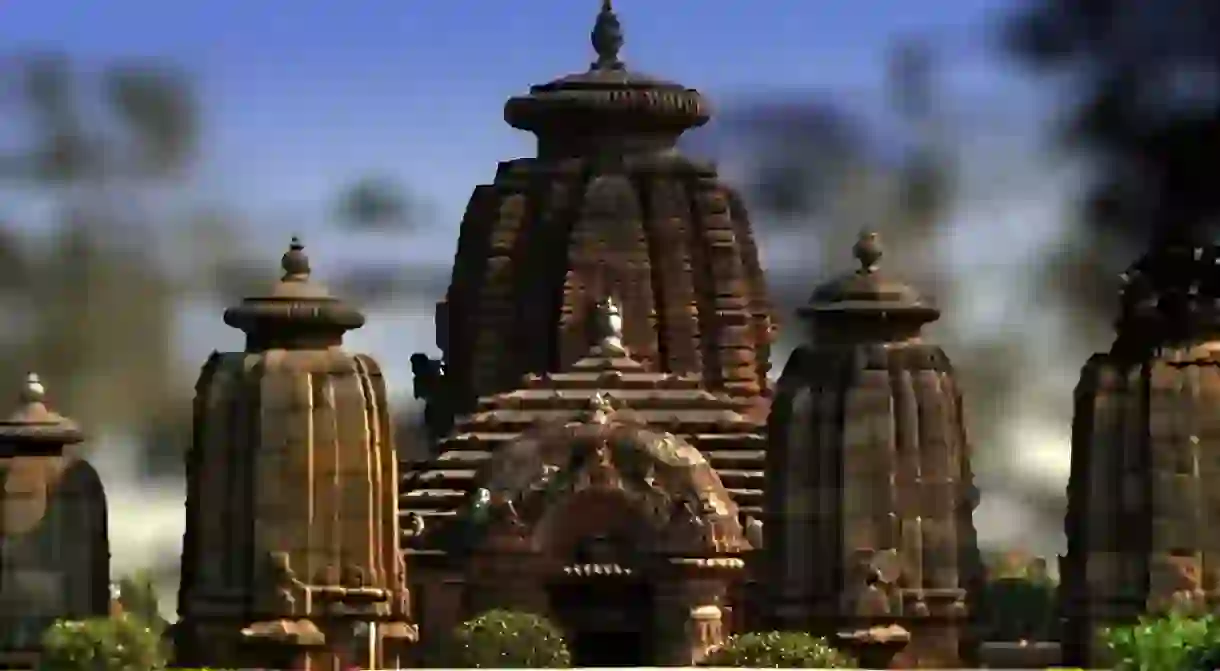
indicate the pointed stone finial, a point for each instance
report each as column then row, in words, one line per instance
column 33, row 391
column 867, row 251
column 608, row 321
column 607, row 38
column 294, row 262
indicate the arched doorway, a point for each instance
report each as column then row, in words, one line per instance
column 605, row 609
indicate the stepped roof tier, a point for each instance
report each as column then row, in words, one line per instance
column 718, row 425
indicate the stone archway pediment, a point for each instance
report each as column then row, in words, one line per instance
column 561, row 482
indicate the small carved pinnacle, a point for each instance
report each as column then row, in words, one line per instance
column 33, row 391
column 607, row 38
column 294, row 262
column 867, row 251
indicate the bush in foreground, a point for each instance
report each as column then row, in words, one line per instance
column 778, row 649
column 1171, row 642
column 120, row 643
column 508, row 640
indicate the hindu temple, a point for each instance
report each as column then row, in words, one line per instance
column 607, row 304
column 1142, row 527
column 868, row 471
column 606, row 207
column 54, row 547
column 290, row 557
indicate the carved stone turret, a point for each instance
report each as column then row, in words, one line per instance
column 291, row 487
column 1145, row 449
column 868, row 469
column 54, row 549
column 607, row 207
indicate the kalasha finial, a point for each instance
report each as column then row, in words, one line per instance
column 607, row 38
column 867, row 251
column 33, row 391
column 294, row 262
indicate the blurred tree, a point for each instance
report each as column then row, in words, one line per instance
column 1142, row 80
column 100, row 298
column 137, row 594
column 97, row 308
column 375, row 203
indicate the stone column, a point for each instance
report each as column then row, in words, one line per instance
column 688, row 619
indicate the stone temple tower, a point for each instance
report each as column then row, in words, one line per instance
column 869, row 489
column 290, row 555
column 1143, row 521
column 607, row 207
column 54, row 551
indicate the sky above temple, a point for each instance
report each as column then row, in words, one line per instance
column 301, row 96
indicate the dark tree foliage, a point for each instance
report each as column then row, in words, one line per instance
column 1146, row 107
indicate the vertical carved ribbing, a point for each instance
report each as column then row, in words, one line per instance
column 548, row 267
column 800, row 517
column 196, row 470
column 587, row 263
column 636, row 288
column 939, row 483
column 525, row 338
column 612, row 213
column 666, row 240
column 732, row 320
column 764, row 321
column 704, row 280
column 496, row 304
column 469, row 272
column 1208, row 459
column 671, row 237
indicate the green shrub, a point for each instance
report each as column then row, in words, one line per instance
column 508, row 639
column 778, row 649
column 121, row 643
column 138, row 596
column 1171, row 642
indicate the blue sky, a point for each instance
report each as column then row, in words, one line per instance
column 301, row 96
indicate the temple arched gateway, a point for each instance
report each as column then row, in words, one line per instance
column 622, row 535
column 599, row 515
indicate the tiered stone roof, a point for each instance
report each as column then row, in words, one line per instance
column 717, row 424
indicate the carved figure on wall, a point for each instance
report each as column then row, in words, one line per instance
column 283, row 581
column 415, row 524
column 1177, row 587
column 431, row 387
column 601, row 407
column 876, row 578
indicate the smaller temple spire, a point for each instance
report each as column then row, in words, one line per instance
column 294, row 262
column 607, row 38
column 868, row 251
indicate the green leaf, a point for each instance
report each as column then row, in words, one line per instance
column 778, row 649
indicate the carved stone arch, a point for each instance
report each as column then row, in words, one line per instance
column 558, row 484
